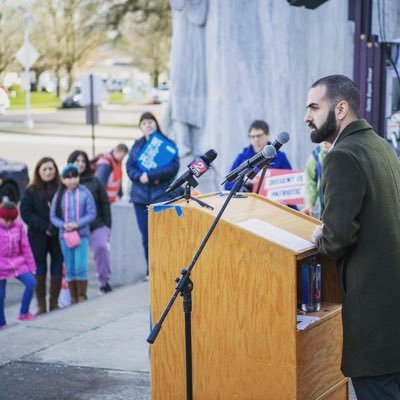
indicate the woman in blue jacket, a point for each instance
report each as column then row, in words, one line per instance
column 258, row 135
column 152, row 165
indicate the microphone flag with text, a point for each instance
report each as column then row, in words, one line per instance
column 266, row 154
column 282, row 138
column 197, row 167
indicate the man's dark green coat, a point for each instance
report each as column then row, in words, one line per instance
column 361, row 217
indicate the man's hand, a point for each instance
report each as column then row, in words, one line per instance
column 317, row 232
column 307, row 211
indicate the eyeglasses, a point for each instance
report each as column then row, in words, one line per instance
column 259, row 136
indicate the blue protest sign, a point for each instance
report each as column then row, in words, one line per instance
column 158, row 152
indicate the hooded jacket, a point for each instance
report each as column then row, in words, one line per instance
column 16, row 256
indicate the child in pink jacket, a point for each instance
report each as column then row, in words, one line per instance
column 16, row 260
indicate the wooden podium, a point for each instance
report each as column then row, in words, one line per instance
column 245, row 341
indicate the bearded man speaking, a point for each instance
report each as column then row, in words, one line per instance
column 361, row 231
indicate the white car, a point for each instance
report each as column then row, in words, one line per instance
column 159, row 94
column 4, row 100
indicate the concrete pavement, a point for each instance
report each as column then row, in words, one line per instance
column 93, row 350
column 115, row 122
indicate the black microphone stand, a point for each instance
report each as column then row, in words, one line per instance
column 187, row 195
column 185, row 287
column 264, row 170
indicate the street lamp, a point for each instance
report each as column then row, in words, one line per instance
column 27, row 55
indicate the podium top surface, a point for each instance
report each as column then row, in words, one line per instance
column 265, row 218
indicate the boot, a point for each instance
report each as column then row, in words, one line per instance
column 73, row 291
column 41, row 294
column 55, row 287
column 82, row 288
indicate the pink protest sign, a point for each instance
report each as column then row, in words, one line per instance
column 285, row 186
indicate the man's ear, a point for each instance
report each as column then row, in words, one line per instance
column 342, row 110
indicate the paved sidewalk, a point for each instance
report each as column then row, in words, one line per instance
column 93, row 350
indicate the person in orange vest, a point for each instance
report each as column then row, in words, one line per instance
column 108, row 168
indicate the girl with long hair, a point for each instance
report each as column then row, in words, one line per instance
column 72, row 211
column 100, row 228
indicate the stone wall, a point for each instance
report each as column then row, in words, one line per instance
column 260, row 58
column 128, row 263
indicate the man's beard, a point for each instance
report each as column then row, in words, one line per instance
column 327, row 130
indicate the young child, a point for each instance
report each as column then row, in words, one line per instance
column 72, row 211
column 16, row 260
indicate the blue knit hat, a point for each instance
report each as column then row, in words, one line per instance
column 70, row 168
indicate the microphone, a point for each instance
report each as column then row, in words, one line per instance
column 282, row 138
column 266, row 154
column 196, row 168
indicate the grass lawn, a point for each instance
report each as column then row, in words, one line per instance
column 115, row 97
column 38, row 100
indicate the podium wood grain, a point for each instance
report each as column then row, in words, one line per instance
column 244, row 339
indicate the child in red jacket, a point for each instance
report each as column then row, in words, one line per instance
column 16, row 260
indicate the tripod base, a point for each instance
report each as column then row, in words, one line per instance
column 187, row 195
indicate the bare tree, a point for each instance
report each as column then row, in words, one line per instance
column 10, row 35
column 140, row 9
column 74, row 30
column 145, row 29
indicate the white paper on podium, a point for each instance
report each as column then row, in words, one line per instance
column 277, row 235
column 304, row 320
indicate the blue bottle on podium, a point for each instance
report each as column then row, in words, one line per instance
column 311, row 287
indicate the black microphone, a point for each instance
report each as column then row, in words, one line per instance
column 196, row 168
column 282, row 138
column 266, row 154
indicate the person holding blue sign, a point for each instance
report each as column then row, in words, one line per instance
column 152, row 165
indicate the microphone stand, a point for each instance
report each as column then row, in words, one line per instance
column 187, row 195
column 264, row 170
column 185, row 287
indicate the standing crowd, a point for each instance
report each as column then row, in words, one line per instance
column 68, row 211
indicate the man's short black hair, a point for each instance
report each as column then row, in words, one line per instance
column 338, row 88
column 260, row 124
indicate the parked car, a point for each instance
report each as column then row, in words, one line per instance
column 73, row 98
column 13, row 179
column 116, row 85
column 160, row 94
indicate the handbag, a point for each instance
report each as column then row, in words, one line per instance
column 72, row 238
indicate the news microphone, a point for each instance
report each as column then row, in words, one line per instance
column 196, row 168
column 266, row 154
column 282, row 138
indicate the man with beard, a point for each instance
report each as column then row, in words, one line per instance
column 361, row 231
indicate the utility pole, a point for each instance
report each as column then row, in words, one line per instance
column 27, row 55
